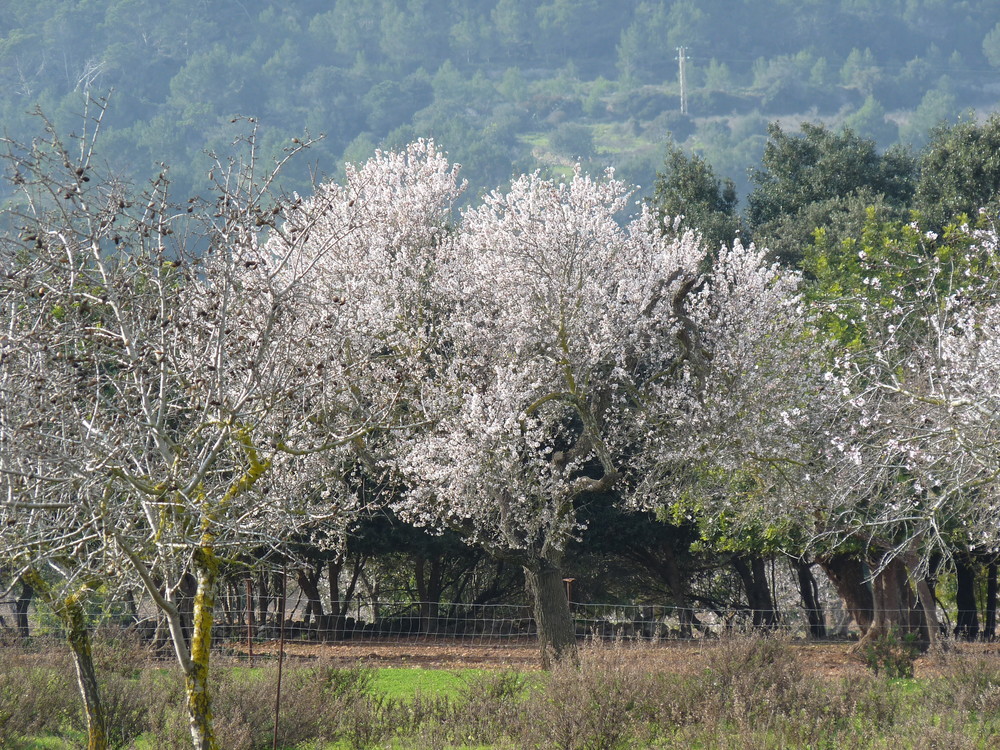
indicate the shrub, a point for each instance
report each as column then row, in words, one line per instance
column 490, row 705
column 749, row 677
column 317, row 703
column 593, row 706
column 676, row 700
column 119, row 651
column 868, row 699
column 126, row 708
column 38, row 693
column 970, row 681
column 891, row 654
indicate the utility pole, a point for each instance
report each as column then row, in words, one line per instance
column 682, row 75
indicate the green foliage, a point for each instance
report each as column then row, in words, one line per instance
column 890, row 265
column 391, row 103
column 991, row 46
column 861, row 71
column 869, row 121
column 936, row 107
column 346, row 67
column 960, row 172
column 688, row 187
column 572, row 140
column 891, row 654
column 819, row 165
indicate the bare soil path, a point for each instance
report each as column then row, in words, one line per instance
column 832, row 660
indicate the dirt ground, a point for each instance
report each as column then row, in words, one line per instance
column 824, row 659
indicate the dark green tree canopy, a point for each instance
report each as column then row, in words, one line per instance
column 819, row 165
column 959, row 171
column 687, row 186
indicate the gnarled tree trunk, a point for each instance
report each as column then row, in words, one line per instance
column 848, row 575
column 556, row 632
column 897, row 608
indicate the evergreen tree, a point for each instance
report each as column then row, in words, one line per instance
column 687, row 187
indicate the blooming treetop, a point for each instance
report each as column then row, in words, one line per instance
column 575, row 342
column 916, row 453
column 730, row 433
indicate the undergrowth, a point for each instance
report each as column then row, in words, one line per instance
column 738, row 693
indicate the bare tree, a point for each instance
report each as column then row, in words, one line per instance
column 160, row 382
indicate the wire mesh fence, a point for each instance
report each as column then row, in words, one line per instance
column 255, row 619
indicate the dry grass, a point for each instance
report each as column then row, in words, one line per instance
column 759, row 692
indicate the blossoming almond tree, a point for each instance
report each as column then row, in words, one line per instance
column 914, row 458
column 565, row 328
column 728, row 439
column 743, row 405
column 367, row 253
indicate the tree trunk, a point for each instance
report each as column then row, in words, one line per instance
column 21, row 610
column 344, row 600
column 888, row 602
column 187, row 591
column 280, row 599
column 990, row 630
column 670, row 572
column 263, row 602
column 848, row 576
column 429, row 585
column 337, row 619
column 810, row 599
column 556, row 633
column 130, row 617
column 79, row 641
column 896, row 607
column 753, row 574
column 199, row 705
column 967, row 621
column 69, row 610
column 309, row 583
column 927, row 603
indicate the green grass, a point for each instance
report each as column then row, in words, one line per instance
column 612, row 138
column 404, row 683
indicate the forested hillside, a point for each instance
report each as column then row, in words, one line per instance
column 504, row 85
column 215, row 366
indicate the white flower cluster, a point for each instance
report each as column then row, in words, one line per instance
column 538, row 348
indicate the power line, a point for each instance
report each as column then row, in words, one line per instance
column 682, row 76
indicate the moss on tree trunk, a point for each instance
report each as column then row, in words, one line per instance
column 69, row 610
column 199, row 703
